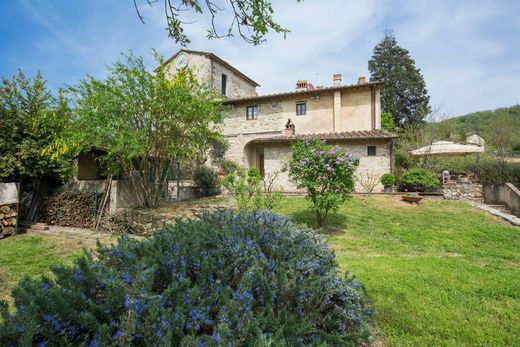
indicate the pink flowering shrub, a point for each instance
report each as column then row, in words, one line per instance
column 327, row 172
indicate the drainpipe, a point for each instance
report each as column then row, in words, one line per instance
column 336, row 116
column 373, row 106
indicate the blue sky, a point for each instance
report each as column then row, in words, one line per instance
column 468, row 51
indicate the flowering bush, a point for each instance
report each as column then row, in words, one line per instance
column 225, row 279
column 327, row 172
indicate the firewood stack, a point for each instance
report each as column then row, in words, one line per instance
column 70, row 209
column 8, row 219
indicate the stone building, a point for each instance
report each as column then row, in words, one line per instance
column 261, row 128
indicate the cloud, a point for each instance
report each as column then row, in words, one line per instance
column 467, row 51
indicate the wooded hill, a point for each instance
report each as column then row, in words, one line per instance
column 500, row 128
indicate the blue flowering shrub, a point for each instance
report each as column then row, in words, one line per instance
column 225, row 279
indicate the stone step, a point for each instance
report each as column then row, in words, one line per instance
column 502, row 208
column 514, row 220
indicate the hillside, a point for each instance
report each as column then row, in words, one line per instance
column 500, row 128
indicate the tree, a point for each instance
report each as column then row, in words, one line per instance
column 387, row 121
column 143, row 122
column 502, row 133
column 28, row 114
column 252, row 19
column 326, row 172
column 404, row 92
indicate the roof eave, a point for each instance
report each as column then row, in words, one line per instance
column 302, row 93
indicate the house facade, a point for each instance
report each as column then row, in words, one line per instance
column 261, row 128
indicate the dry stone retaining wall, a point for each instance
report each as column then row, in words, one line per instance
column 463, row 191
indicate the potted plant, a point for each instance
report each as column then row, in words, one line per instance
column 388, row 180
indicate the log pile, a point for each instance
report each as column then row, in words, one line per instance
column 120, row 223
column 68, row 208
column 8, row 219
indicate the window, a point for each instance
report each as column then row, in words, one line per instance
column 224, row 84
column 252, row 112
column 301, row 108
column 371, row 150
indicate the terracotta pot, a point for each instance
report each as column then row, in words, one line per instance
column 411, row 199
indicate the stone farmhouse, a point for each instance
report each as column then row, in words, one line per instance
column 261, row 128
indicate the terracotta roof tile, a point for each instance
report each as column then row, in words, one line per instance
column 299, row 93
column 346, row 135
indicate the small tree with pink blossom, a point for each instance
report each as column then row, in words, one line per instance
column 327, row 172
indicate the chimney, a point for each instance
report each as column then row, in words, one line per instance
column 361, row 80
column 289, row 128
column 302, row 85
column 336, row 78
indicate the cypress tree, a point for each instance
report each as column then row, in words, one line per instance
column 404, row 92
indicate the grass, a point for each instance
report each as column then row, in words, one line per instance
column 438, row 274
column 25, row 255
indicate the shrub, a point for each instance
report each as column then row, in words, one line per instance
column 387, row 180
column 246, row 188
column 419, row 180
column 496, row 172
column 224, row 279
column 326, row 172
column 228, row 166
column 206, row 180
column 368, row 180
column 271, row 197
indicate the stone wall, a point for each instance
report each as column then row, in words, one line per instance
column 277, row 155
column 355, row 114
column 463, row 191
column 210, row 72
column 200, row 64
column 505, row 194
column 237, row 87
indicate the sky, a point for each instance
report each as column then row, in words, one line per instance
column 468, row 51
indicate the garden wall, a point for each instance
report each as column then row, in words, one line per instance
column 8, row 209
column 506, row 194
column 463, row 191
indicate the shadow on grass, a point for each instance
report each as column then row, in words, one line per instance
column 336, row 222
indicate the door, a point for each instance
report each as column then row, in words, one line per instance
column 261, row 164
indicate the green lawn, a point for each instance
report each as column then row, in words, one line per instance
column 25, row 255
column 439, row 273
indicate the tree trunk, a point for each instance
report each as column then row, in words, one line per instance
column 320, row 220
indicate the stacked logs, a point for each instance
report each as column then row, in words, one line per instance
column 68, row 208
column 8, row 219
